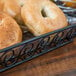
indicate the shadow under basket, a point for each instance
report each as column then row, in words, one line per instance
column 36, row 46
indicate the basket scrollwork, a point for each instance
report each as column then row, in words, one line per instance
column 36, row 46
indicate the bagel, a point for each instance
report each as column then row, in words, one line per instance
column 1, row 5
column 69, row 3
column 42, row 16
column 13, row 8
column 10, row 32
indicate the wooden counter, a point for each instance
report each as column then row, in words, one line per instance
column 60, row 62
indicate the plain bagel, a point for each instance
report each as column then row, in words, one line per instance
column 10, row 32
column 13, row 8
column 42, row 16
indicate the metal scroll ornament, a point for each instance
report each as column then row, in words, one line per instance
column 37, row 46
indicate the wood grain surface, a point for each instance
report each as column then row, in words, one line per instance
column 60, row 62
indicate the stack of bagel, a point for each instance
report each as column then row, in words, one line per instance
column 39, row 16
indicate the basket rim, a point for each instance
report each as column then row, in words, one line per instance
column 35, row 38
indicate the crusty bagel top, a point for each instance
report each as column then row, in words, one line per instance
column 10, row 32
column 42, row 16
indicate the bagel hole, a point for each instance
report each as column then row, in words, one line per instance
column 22, row 5
column 43, row 13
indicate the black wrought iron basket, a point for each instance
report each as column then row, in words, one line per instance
column 36, row 46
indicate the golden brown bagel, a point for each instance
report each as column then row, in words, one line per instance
column 1, row 5
column 10, row 32
column 13, row 8
column 42, row 16
column 69, row 3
